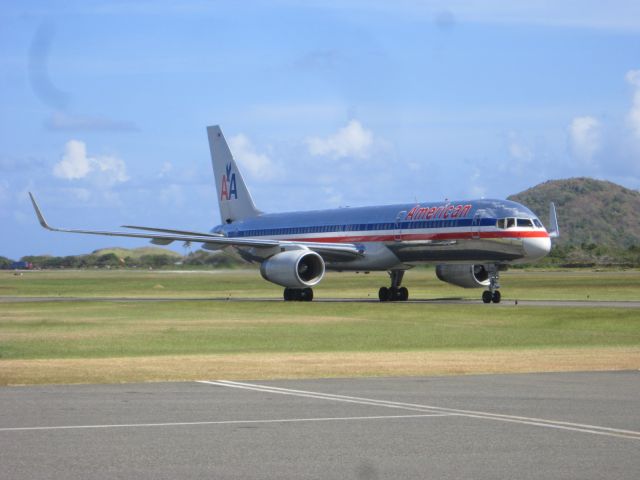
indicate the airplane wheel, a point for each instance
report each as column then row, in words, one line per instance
column 393, row 294
column 383, row 294
column 487, row 296
column 403, row 294
column 306, row 294
column 298, row 294
column 496, row 297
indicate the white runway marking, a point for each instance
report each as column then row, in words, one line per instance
column 538, row 422
column 219, row 422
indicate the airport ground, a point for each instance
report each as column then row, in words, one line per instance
column 342, row 387
column 577, row 425
column 138, row 326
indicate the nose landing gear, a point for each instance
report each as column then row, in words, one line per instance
column 394, row 293
column 493, row 294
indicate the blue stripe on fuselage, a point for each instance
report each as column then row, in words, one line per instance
column 377, row 218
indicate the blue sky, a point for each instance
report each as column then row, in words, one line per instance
column 325, row 103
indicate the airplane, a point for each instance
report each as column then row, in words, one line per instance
column 470, row 241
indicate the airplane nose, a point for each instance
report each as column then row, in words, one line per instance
column 535, row 248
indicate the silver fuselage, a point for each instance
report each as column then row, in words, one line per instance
column 401, row 236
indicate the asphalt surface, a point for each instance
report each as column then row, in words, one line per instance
column 555, row 426
column 432, row 301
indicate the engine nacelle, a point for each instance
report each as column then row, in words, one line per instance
column 467, row 276
column 294, row 269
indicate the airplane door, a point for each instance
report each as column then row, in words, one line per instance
column 475, row 226
column 397, row 233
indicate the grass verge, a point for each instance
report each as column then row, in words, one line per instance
column 253, row 366
column 87, row 342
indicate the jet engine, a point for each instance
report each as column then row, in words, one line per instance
column 294, row 269
column 467, row 276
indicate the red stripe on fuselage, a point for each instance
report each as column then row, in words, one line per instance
column 423, row 236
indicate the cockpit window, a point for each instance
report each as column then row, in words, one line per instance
column 505, row 223
column 525, row 222
column 511, row 222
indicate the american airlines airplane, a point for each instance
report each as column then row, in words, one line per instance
column 470, row 242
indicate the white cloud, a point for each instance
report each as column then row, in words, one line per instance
column 476, row 189
column 257, row 164
column 165, row 171
column 333, row 198
column 414, row 166
column 615, row 14
column 350, row 141
column 520, row 156
column 4, row 191
column 111, row 169
column 172, row 196
column 633, row 118
column 520, row 152
column 76, row 164
column 585, row 137
column 80, row 194
column 64, row 121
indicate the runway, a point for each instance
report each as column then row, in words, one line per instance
column 433, row 301
column 561, row 426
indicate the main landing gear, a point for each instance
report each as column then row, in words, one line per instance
column 395, row 292
column 493, row 294
column 298, row 294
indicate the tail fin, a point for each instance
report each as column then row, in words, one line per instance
column 233, row 197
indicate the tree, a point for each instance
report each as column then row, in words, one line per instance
column 108, row 260
column 156, row 261
column 5, row 263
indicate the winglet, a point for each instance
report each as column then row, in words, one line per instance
column 41, row 219
column 553, row 221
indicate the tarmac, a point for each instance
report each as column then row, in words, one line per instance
column 552, row 425
column 432, row 301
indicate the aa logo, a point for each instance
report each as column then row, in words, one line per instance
column 228, row 189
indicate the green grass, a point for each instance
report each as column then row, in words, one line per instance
column 189, row 320
column 97, row 330
column 422, row 283
column 85, row 329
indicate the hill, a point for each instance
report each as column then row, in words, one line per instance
column 591, row 213
column 142, row 257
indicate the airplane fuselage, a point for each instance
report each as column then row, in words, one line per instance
column 391, row 236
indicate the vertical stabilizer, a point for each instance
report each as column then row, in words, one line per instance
column 233, row 197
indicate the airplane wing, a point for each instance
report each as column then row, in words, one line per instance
column 162, row 236
column 167, row 230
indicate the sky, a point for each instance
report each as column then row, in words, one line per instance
column 104, row 106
